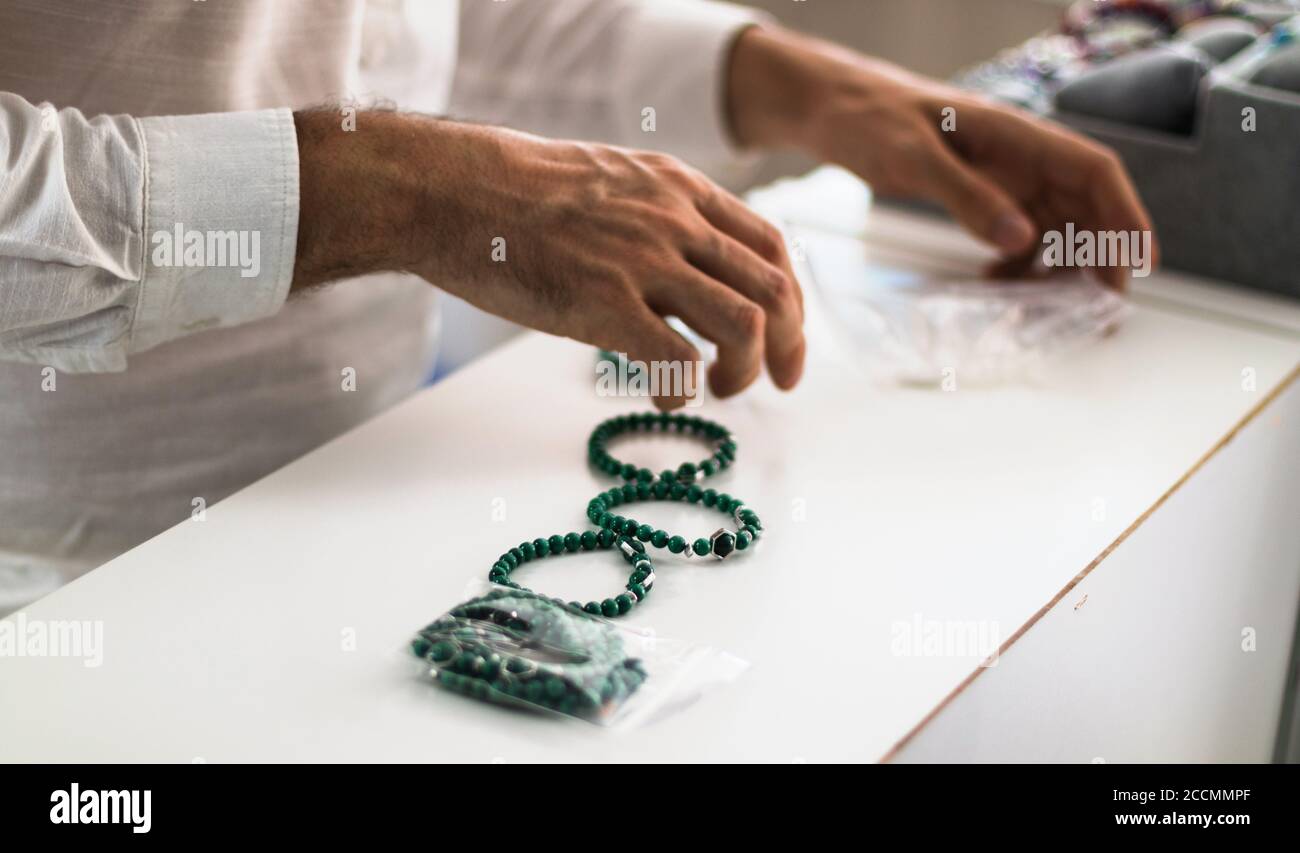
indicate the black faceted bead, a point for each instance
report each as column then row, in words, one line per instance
column 722, row 543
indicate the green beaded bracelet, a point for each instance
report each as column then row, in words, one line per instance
column 724, row 447
column 639, row 582
column 721, row 544
column 516, row 647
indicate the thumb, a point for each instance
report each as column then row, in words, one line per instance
column 981, row 206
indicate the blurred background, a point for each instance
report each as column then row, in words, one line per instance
column 936, row 37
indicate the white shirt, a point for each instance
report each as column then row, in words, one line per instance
column 133, row 394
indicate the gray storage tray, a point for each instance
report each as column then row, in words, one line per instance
column 1225, row 202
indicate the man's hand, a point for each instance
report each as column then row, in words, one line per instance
column 1005, row 176
column 587, row 241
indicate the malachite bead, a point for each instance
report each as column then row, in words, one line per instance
column 627, row 534
column 632, row 551
column 636, row 532
column 599, row 457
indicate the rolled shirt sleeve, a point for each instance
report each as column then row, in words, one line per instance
column 118, row 234
column 639, row 73
column 230, row 179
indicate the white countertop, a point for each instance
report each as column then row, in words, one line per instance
column 223, row 639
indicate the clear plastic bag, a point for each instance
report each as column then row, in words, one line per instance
column 926, row 331
column 523, row 650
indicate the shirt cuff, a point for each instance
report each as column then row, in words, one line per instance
column 221, row 222
column 674, row 60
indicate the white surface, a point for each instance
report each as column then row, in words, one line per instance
column 1175, row 648
column 224, row 638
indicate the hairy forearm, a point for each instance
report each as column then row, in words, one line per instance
column 769, row 91
column 376, row 198
column 783, row 87
column 349, row 198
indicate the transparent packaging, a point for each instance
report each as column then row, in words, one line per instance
column 523, row 650
column 928, row 331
